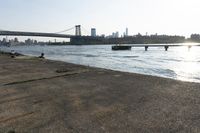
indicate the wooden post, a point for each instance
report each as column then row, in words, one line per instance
column 189, row 47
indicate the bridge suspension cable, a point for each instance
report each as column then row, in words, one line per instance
column 87, row 32
column 65, row 30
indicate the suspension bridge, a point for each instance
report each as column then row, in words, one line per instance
column 39, row 34
column 77, row 38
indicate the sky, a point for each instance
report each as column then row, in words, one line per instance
column 171, row 17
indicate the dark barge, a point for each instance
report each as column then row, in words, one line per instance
column 120, row 47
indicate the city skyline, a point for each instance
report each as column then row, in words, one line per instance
column 171, row 17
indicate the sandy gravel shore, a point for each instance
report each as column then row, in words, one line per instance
column 38, row 95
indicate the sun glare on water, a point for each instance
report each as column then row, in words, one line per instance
column 189, row 65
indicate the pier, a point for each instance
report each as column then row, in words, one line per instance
column 146, row 47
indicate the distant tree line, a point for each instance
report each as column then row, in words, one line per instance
column 195, row 38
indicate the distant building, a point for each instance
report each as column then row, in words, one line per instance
column 28, row 41
column 4, row 40
column 16, row 40
column 114, row 35
column 124, row 34
column 103, row 35
column 126, row 31
column 117, row 35
column 35, row 42
column 93, row 32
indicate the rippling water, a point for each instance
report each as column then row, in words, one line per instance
column 177, row 63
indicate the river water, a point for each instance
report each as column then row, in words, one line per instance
column 176, row 63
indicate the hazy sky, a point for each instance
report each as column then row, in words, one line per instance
column 180, row 17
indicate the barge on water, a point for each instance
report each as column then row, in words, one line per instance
column 121, row 47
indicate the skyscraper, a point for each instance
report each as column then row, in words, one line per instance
column 93, row 32
column 126, row 31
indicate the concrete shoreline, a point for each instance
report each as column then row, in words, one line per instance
column 39, row 95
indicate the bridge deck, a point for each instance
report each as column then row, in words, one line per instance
column 19, row 33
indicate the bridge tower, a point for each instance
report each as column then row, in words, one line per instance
column 78, row 30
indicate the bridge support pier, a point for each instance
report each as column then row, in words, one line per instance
column 146, row 48
column 166, row 48
column 189, row 47
column 78, row 30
